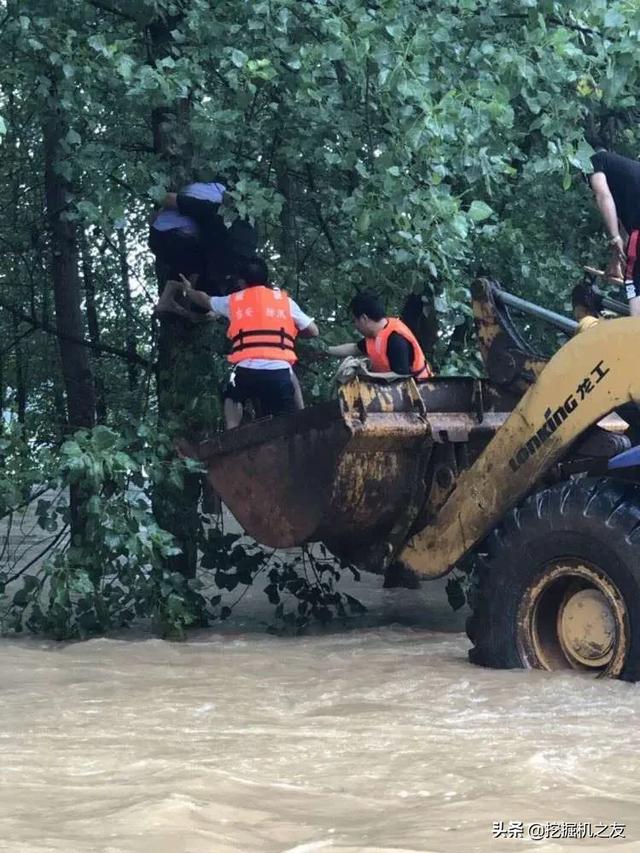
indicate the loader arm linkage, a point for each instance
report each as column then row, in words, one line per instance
column 593, row 374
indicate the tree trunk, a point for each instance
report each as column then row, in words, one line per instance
column 14, row 200
column 130, row 338
column 2, row 393
column 21, row 387
column 59, row 405
column 458, row 339
column 176, row 510
column 76, row 367
column 92, row 325
column 52, row 350
column 419, row 314
column 288, row 237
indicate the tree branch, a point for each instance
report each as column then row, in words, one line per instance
column 50, row 330
column 557, row 22
column 41, row 491
column 16, row 341
column 39, row 556
column 318, row 210
column 107, row 7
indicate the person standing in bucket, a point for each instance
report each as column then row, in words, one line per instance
column 616, row 186
column 388, row 343
column 264, row 323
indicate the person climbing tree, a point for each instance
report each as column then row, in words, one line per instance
column 174, row 239
column 201, row 202
column 190, row 237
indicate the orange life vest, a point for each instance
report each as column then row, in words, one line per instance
column 377, row 350
column 261, row 325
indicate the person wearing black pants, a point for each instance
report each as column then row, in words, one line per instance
column 616, row 186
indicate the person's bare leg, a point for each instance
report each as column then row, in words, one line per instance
column 232, row 414
column 297, row 392
column 167, row 304
column 167, row 301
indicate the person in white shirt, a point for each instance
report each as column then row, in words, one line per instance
column 264, row 323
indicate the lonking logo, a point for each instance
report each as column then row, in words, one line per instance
column 554, row 418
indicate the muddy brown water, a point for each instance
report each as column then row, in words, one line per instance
column 379, row 737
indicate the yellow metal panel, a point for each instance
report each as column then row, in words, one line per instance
column 586, row 379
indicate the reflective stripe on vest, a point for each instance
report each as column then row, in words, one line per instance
column 632, row 256
column 261, row 325
column 377, row 350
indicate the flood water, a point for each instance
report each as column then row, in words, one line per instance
column 377, row 737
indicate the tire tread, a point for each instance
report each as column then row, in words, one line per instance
column 584, row 504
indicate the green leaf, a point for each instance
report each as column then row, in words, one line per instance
column 271, row 591
column 103, row 438
column 364, row 221
column 158, row 191
column 125, row 65
column 479, row 211
column 82, row 584
column 112, row 539
column 30, row 583
column 88, row 211
column 614, row 18
column 455, row 593
column 98, row 43
column 238, row 58
column 459, row 226
column 71, row 448
column 21, row 598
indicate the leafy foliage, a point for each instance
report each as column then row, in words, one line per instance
column 399, row 144
column 116, row 573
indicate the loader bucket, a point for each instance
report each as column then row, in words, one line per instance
column 349, row 472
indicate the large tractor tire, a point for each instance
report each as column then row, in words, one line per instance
column 560, row 588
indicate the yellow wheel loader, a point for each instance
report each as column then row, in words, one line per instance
column 528, row 471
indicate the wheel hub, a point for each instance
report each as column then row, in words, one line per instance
column 587, row 627
column 573, row 617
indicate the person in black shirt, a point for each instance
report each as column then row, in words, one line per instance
column 389, row 344
column 616, row 185
column 399, row 353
